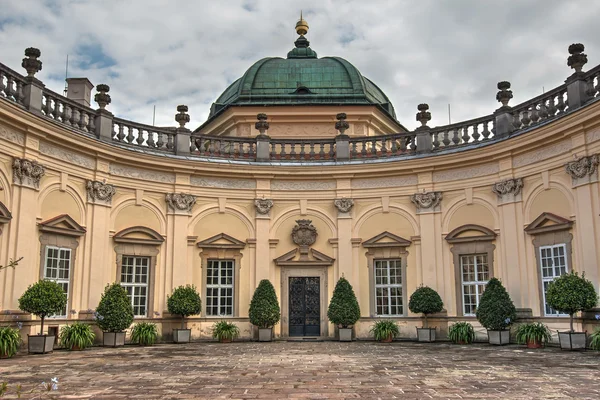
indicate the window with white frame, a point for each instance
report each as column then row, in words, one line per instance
column 388, row 287
column 475, row 274
column 134, row 278
column 219, row 287
column 553, row 261
column 57, row 268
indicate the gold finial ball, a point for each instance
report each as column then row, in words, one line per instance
column 301, row 26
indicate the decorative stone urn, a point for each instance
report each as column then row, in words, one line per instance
column 572, row 340
column 265, row 334
column 426, row 335
column 40, row 344
column 182, row 335
column 345, row 334
column 499, row 337
column 113, row 339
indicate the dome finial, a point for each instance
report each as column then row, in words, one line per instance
column 301, row 26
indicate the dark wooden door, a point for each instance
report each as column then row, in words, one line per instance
column 305, row 306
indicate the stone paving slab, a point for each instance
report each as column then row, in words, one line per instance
column 323, row 370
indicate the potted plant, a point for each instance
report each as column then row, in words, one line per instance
column 144, row 334
column 225, row 331
column 114, row 314
column 425, row 301
column 343, row 309
column 496, row 312
column 264, row 310
column 385, row 330
column 569, row 294
column 76, row 336
column 595, row 340
column 10, row 341
column 535, row 335
column 461, row 333
column 184, row 301
column 42, row 299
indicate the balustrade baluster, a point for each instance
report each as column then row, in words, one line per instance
column 120, row 134
column 395, row 146
column 170, row 141
column 311, row 154
column 383, row 147
column 534, row 114
column 56, row 110
column 475, row 135
column 373, row 147
column 363, row 152
column 20, row 94
column 465, row 136
column 455, row 137
column 486, row 132
column 150, row 141
column 130, row 136
column 293, row 151
column 543, row 113
column 140, row 137
column 2, row 85
column 65, row 116
column 403, row 144
column 331, row 151
column 353, row 151
column 561, row 104
column 551, row 107
column 83, row 121
column 9, row 88
column 91, row 123
column 446, row 139
column 435, row 142
column 251, row 149
column 160, row 143
column 302, row 153
column 525, row 119
column 517, row 120
column 273, row 151
column 282, row 154
column 321, row 151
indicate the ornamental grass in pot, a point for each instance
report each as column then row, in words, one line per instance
column 144, row 334
column 385, row 331
column 569, row 294
column 461, row 333
column 343, row 310
column 10, row 341
column 42, row 299
column 76, row 336
column 264, row 310
column 595, row 340
column 225, row 331
column 425, row 301
column 535, row 335
column 114, row 314
column 184, row 301
column 496, row 312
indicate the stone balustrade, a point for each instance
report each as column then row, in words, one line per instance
column 580, row 89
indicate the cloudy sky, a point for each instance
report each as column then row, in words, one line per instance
column 170, row 52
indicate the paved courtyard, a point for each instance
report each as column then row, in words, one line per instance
column 322, row 370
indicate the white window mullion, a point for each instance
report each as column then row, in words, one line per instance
column 57, row 268
column 553, row 259
column 383, row 289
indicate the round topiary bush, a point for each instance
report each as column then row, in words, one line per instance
column 264, row 308
column 343, row 310
column 114, row 312
column 184, row 301
column 42, row 299
column 496, row 310
column 425, row 301
column 570, row 294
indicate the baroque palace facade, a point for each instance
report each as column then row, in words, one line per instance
column 326, row 183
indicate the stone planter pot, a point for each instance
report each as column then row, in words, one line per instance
column 223, row 340
column 535, row 344
column 345, row 334
column 572, row 340
column 265, row 334
column 499, row 338
column 426, row 334
column 40, row 344
column 387, row 339
column 113, row 339
column 182, row 335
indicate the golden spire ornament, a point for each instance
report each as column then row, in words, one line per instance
column 301, row 26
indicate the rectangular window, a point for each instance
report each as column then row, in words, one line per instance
column 475, row 274
column 388, row 287
column 553, row 262
column 57, row 268
column 219, row 287
column 134, row 278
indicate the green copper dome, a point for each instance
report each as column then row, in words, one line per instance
column 302, row 79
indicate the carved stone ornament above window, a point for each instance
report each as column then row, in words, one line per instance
column 304, row 234
column 344, row 204
column 27, row 172
column 470, row 233
column 62, row 225
column 386, row 240
column 548, row 222
column 139, row 235
column 180, row 201
column 221, row 241
column 263, row 206
column 100, row 191
column 508, row 186
column 426, row 200
column 582, row 167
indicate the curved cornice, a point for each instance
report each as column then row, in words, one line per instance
column 485, row 234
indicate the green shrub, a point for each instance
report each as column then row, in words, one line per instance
column 595, row 340
column 114, row 312
column 534, row 332
column 382, row 330
column 496, row 310
column 264, row 308
column 184, row 301
column 425, row 301
column 461, row 332
column 570, row 293
column 10, row 341
column 144, row 333
column 42, row 299
column 343, row 310
column 224, row 330
column 77, row 335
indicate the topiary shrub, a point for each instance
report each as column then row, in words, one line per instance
column 496, row 310
column 343, row 310
column 264, row 308
column 570, row 293
column 184, row 301
column 42, row 299
column 114, row 312
column 425, row 301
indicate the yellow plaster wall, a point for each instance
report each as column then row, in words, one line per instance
column 57, row 203
column 553, row 201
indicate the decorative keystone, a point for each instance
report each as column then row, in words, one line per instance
column 423, row 116
column 342, row 124
column 182, row 117
column 505, row 94
column 577, row 59
column 31, row 62
column 262, row 125
column 102, row 97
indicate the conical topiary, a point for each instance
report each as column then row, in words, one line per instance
column 343, row 310
column 496, row 310
column 264, row 308
column 571, row 293
column 114, row 312
column 425, row 301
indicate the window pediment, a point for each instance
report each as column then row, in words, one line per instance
column 138, row 235
column 548, row 222
column 297, row 258
column 62, row 225
column 470, row 233
column 221, row 241
column 5, row 215
column 386, row 239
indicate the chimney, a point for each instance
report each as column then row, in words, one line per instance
column 79, row 90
